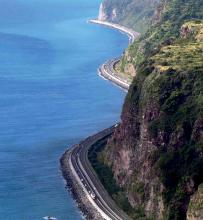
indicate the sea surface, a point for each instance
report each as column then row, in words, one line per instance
column 50, row 98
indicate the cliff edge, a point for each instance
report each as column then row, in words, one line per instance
column 156, row 153
column 134, row 14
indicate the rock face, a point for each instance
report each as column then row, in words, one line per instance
column 132, row 151
column 192, row 30
column 156, row 153
column 132, row 13
column 102, row 13
column 106, row 14
column 195, row 210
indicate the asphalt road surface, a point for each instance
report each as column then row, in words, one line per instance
column 88, row 178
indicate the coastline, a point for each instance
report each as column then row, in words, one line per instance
column 75, row 185
column 76, row 191
column 107, row 70
column 131, row 33
column 77, row 170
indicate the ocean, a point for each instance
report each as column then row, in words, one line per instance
column 50, row 98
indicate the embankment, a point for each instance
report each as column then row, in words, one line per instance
column 82, row 181
column 107, row 70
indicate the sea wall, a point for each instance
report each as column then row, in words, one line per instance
column 76, row 191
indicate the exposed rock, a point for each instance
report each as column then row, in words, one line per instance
column 192, row 29
column 157, row 143
column 132, row 13
column 130, row 69
column 195, row 210
column 197, row 133
column 103, row 16
column 159, row 11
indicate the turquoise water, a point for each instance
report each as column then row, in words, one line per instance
column 50, row 98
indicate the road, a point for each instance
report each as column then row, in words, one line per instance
column 88, row 179
column 130, row 32
column 107, row 71
column 78, row 160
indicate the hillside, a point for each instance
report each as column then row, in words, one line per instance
column 156, row 153
column 135, row 14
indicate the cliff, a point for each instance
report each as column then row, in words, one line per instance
column 131, row 13
column 156, row 153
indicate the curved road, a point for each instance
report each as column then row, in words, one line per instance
column 86, row 176
column 77, row 159
column 130, row 32
column 107, row 71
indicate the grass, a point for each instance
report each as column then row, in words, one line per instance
column 123, row 74
column 180, row 57
column 173, row 78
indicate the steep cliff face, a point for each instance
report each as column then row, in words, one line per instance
column 156, row 154
column 132, row 13
column 103, row 15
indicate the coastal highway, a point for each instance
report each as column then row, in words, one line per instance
column 76, row 159
column 89, row 181
column 130, row 32
column 107, row 71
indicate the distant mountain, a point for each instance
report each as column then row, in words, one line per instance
column 156, row 153
column 132, row 13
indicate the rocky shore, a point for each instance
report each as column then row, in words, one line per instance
column 76, row 191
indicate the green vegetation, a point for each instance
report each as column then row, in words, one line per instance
column 104, row 173
column 167, row 97
column 176, row 169
column 167, row 29
column 176, row 13
column 178, row 86
column 135, row 14
column 106, row 177
column 182, row 56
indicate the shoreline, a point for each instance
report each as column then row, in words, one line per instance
column 72, row 176
column 107, row 70
column 76, row 170
column 76, row 190
column 130, row 32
